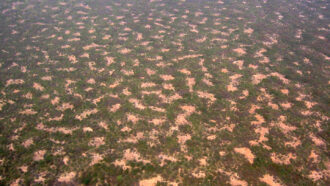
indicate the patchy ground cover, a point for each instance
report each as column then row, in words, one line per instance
column 124, row 92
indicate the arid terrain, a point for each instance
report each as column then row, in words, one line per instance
column 164, row 92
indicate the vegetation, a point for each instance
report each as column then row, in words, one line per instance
column 163, row 92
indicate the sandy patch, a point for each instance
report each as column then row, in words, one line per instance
column 257, row 78
column 147, row 85
column 87, row 129
column 201, row 40
column 229, row 127
column 190, row 82
column 282, row 159
column 313, row 157
column 97, row 141
column 2, row 103
column 14, row 82
column 203, row 161
column 307, row 61
column 157, row 109
column 239, row 64
column 168, row 99
column 269, row 180
column 28, row 112
column 151, row 181
column 66, row 160
column 24, row 168
column 93, row 45
column 309, row 104
column 246, row 152
column 167, row 77
column 231, row 88
column 157, row 121
column 294, row 143
column 316, row 140
column 55, row 101
column 264, row 60
column 262, row 131
column 190, row 56
column 121, row 163
column 106, row 37
column 281, row 124
column 188, row 109
column 17, row 182
column 139, row 36
column 201, row 63
column 182, row 140
column 306, row 113
column 85, row 55
column 168, row 86
column 27, row 143
column 115, row 84
column 96, row 158
column 133, row 155
column 11, row 147
column 71, row 69
column 65, row 106
column 253, row 109
column 72, row 59
column 134, row 138
column 199, row 174
column 234, row 82
column 132, row 118
column 137, row 103
column 245, row 94
column 85, row 114
column 63, row 130
column 103, row 125
column 126, row 92
column 39, row 155
column 248, row 31
column 41, row 177
column 260, row 120
column 23, row 69
column 124, row 51
column 253, row 66
column 234, row 179
column 37, row 86
column 281, row 77
column 150, row 72
column 110, row 60
column 240, row 51
column 207, row 95
column 67, row 177
column 91, row 81
column 211, row 137
column 181, row 118
column 224, row 70
column 115, row 107
column 185, row 71
column 44, row 96
column 286, row 105
column 125, row 129
column 315, row 175
column 207, row 82
column 285, row 91
column 127, row 72
column 164, row 158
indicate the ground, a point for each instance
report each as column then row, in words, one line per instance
column 167, row 92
